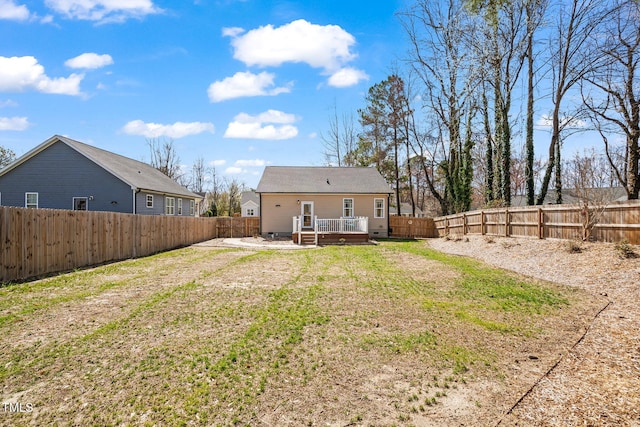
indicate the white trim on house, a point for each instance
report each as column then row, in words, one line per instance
column 80, row 198
column 347, row 211
column 250, row 205
column 378, row 211
column 304, row 216
column 179, row 206
column 192, row 207
column 169, row 206
column 26, row 200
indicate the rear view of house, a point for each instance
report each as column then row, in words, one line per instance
column 323, row 200
column 62, row 173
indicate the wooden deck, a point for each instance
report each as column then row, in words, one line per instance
column 308, row 238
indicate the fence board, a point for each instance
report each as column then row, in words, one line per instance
column 34, row 242
column 618, row 221
column 402, row 226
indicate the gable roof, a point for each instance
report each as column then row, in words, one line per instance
column 249, row 197
column 140, row 176
column 323, row 180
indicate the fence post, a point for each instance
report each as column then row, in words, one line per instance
column 506, row 222
column 464, row 224
column 482, row 223
column 540, row 224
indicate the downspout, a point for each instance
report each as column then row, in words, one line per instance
column 260, row 207
column 135, row 191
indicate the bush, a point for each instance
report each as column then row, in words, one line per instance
column 574, row 246
column 625, row 250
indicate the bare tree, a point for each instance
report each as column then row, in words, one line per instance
column 611, row 93
column 441, row 59
column 341, row 139
column 6, row 156
column 164, row 157
column 571, row 60
column 198, row 176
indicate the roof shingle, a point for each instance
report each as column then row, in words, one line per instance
column 323, row 180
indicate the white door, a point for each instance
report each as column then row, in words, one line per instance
column 307, row 214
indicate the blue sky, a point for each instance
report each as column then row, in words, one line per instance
column 242, row 84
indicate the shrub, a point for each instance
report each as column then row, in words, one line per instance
column 625, row 250
column 574, row 246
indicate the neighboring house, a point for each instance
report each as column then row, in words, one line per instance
column 250, row 203
column 570, row 196
column 62, row 173
column 291, row 198
column 405, row 210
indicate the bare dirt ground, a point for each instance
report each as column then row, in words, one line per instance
column 598, row 382
column 382, row 335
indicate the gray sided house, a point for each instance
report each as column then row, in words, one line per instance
column 332, row 203
column 62, row 173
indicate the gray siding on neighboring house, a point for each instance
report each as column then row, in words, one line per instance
column 58, row 174
column 159, row 204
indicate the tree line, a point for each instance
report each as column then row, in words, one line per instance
column 222, row 197
column 456, row 124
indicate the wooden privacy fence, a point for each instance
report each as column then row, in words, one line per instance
column 402, row 226
column 41, row 241
column 615, row 222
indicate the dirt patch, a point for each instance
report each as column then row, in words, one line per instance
column 597, row 382
column 369, row 335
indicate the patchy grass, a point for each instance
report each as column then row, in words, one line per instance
column 341, row 335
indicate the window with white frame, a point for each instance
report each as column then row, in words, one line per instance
column 31, row 200
column 149, row 200
column 170, row 206
column 192, row 207
column 347, row 208
column 250, row 212
column 378, row 208
column 179, row 206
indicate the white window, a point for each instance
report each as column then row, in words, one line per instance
column 378, row 208
column 179, row 206
column 149, row 200
column 192, row 207
column 31, row 200
column 250, row 212
column 347, row 208
column 170, row 206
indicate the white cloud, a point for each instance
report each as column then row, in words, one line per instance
column 219, row 162
column 546, row 121
column 259, row 127
column 250, row 163
column 104, row 11
column 234, row 170
column 8, row 103
column 89, row 61
column 11, row 11
column 232, row 31
column 22, row 73
column 176, row 130
column 244, row 84
column 347, row 77
column 320, row 46
column 13, row 123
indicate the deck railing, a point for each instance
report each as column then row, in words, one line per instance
column 359, row 224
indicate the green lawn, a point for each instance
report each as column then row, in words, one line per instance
column 395, row 334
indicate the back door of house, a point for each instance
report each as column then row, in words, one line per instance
column 307, row 214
